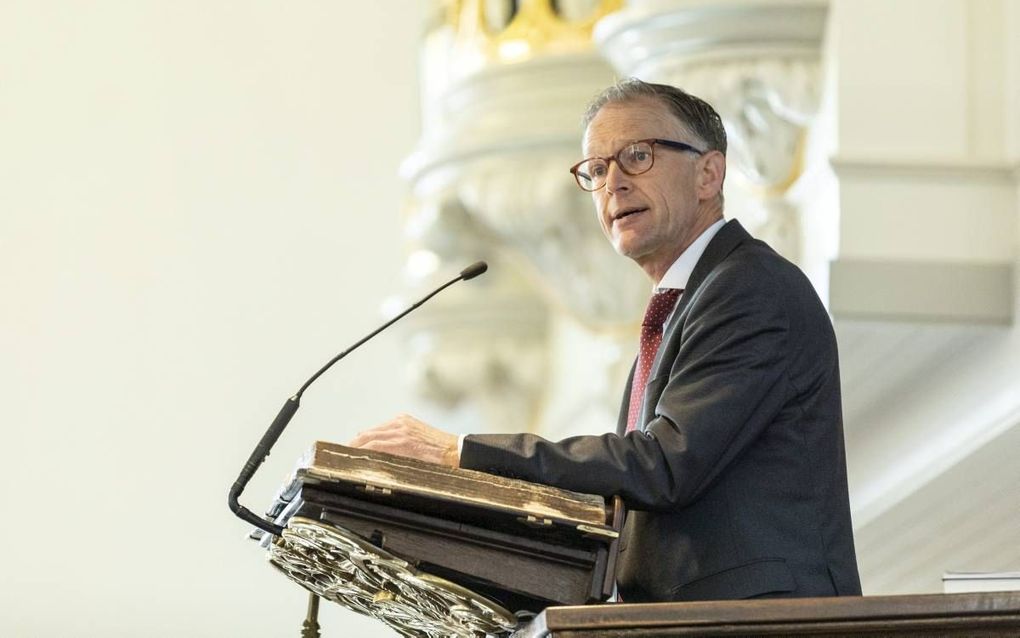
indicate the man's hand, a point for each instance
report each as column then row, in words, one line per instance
column 407, row 436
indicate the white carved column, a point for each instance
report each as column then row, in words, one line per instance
column 544, row 343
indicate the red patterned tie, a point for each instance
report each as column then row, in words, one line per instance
column 659, row 308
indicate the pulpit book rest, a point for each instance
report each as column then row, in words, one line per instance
column 439, row 551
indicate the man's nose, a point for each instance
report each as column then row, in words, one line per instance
column 616, row 179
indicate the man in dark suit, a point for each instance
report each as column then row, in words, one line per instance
column 729, row 451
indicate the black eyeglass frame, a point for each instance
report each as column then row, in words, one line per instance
column 652, row 141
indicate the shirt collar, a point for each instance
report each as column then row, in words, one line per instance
column 680, row 271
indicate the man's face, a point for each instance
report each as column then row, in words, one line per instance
column 654, row 216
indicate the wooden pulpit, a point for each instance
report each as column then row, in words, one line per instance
column 980, row 615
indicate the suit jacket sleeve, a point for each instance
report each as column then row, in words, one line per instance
column 727, row 380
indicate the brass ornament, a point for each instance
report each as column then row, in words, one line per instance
column 492, row 30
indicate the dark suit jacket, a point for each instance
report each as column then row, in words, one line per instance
column 737, row 481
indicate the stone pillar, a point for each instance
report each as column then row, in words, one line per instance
column 543, row 342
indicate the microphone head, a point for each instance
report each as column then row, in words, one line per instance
column 474, row 270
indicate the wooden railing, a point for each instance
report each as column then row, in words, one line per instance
column 928, row 616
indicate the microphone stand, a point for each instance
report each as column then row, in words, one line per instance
column 258, row 456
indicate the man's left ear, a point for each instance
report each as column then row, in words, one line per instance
column 713, row 171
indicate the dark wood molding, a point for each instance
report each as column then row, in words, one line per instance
column 982, row 614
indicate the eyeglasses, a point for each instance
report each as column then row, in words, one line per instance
column 633, row 159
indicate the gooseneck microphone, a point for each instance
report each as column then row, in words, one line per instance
column 470, row 272
column 258, row 456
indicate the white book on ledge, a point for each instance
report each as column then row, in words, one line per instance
column 962, row 582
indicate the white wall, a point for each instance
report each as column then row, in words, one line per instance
column 928, row 165
column 199, row 205
column 924, row 129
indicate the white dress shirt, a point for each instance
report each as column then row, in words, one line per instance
column 680, row 272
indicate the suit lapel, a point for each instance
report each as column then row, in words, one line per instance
column 621, row 419
column 725, row 241
column 729, row 237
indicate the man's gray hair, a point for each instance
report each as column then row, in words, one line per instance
column 695, row 114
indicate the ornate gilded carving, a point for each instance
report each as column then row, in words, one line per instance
column 505, row 31
column 339, row 566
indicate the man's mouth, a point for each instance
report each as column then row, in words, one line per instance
column 627, row 212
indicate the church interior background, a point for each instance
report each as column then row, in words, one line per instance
column 202, row 202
